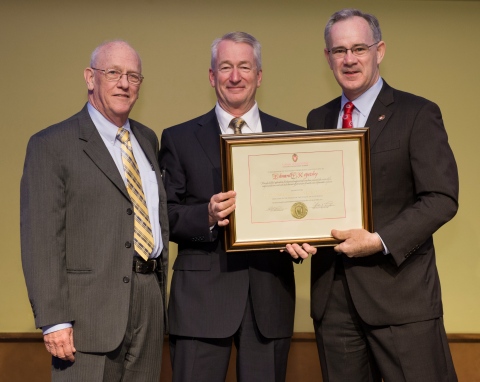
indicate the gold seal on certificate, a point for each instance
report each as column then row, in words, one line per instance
column 299, row 210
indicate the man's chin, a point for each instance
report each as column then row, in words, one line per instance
column 236, row 102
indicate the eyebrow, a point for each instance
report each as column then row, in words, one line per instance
column 230, row 63
column 116, row 67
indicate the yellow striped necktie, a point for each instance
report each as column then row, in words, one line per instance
column 143, row 237
column 236, row 124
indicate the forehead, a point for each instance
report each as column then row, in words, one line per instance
column 118, row 55
column 234, row 52
column 354, row 30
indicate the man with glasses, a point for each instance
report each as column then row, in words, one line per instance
column 94, row 231
column 375, row 297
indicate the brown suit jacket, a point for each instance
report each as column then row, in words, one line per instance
column 414, row 192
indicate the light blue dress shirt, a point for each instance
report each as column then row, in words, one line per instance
column 108, row 132
column 363, row 106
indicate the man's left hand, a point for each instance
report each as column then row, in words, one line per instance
column 60, row 344
column 300, row 251
column 357, row 242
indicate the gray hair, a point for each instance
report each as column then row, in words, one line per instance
column 239, row 37
column 349, row 13
column 99, row 49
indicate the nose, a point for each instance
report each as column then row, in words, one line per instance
column 235, row 75
column 123, row 82
column 349, row 57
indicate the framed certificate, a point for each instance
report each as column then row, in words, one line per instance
column 295, row 187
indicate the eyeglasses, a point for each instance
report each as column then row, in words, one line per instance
column 115, row 75
column 357, row 50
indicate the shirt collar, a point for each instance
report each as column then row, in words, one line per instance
column 364, row 103
column 251, row 118
column 107, row 129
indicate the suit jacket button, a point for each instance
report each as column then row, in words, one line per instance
column 126, row 280
column 129, row 211
column 128, row 244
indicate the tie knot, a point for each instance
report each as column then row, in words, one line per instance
column 348, row 108
column 123, row 136
column 236, row 124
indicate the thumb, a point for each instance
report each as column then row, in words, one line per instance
column 339, row 235
column 71, row 342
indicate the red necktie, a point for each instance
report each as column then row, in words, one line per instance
column 347, row 116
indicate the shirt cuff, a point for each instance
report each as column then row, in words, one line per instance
column 55, row 328
column 385, row 249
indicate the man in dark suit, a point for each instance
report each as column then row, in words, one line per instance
column 375, row 298
column 217, row 298
column 94, row 231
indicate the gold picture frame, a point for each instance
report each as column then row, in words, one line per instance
column 295, row 187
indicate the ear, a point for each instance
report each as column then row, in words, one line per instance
column 259, row 77
column 328, row 57
column 211, row 77
column 88, row 74
column 381, row 48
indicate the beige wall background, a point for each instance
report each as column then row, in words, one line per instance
column 432, row 50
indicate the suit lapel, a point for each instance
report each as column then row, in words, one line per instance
column 152, row 157
column 331, row 118
column 208, row 131
column 380, row 113
column 208, row 135
column 331, row 114
column 149, row 152
column 269, row 124
column 97, row 152
column 377, row 119
column 146, row 146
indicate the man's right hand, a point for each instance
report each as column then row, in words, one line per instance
column 60, row 344
column 221, row 205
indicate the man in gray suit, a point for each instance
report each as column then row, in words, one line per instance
column 217, row 298
column 94, row 231
column 376, row 300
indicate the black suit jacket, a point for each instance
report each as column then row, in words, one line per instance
column 414, row 192
column 209, row 287
column 75, row 230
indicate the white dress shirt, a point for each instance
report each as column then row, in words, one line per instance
column 251, row 118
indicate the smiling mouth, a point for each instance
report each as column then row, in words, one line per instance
column 235, row 88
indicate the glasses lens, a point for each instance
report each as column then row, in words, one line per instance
column 339, row 52
column 112, row 75
column 360, row 50
column 134, row 78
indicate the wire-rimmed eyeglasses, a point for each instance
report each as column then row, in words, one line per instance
column 357, row 50
column 115, row 75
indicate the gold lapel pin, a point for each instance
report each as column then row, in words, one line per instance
column 381, row 118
